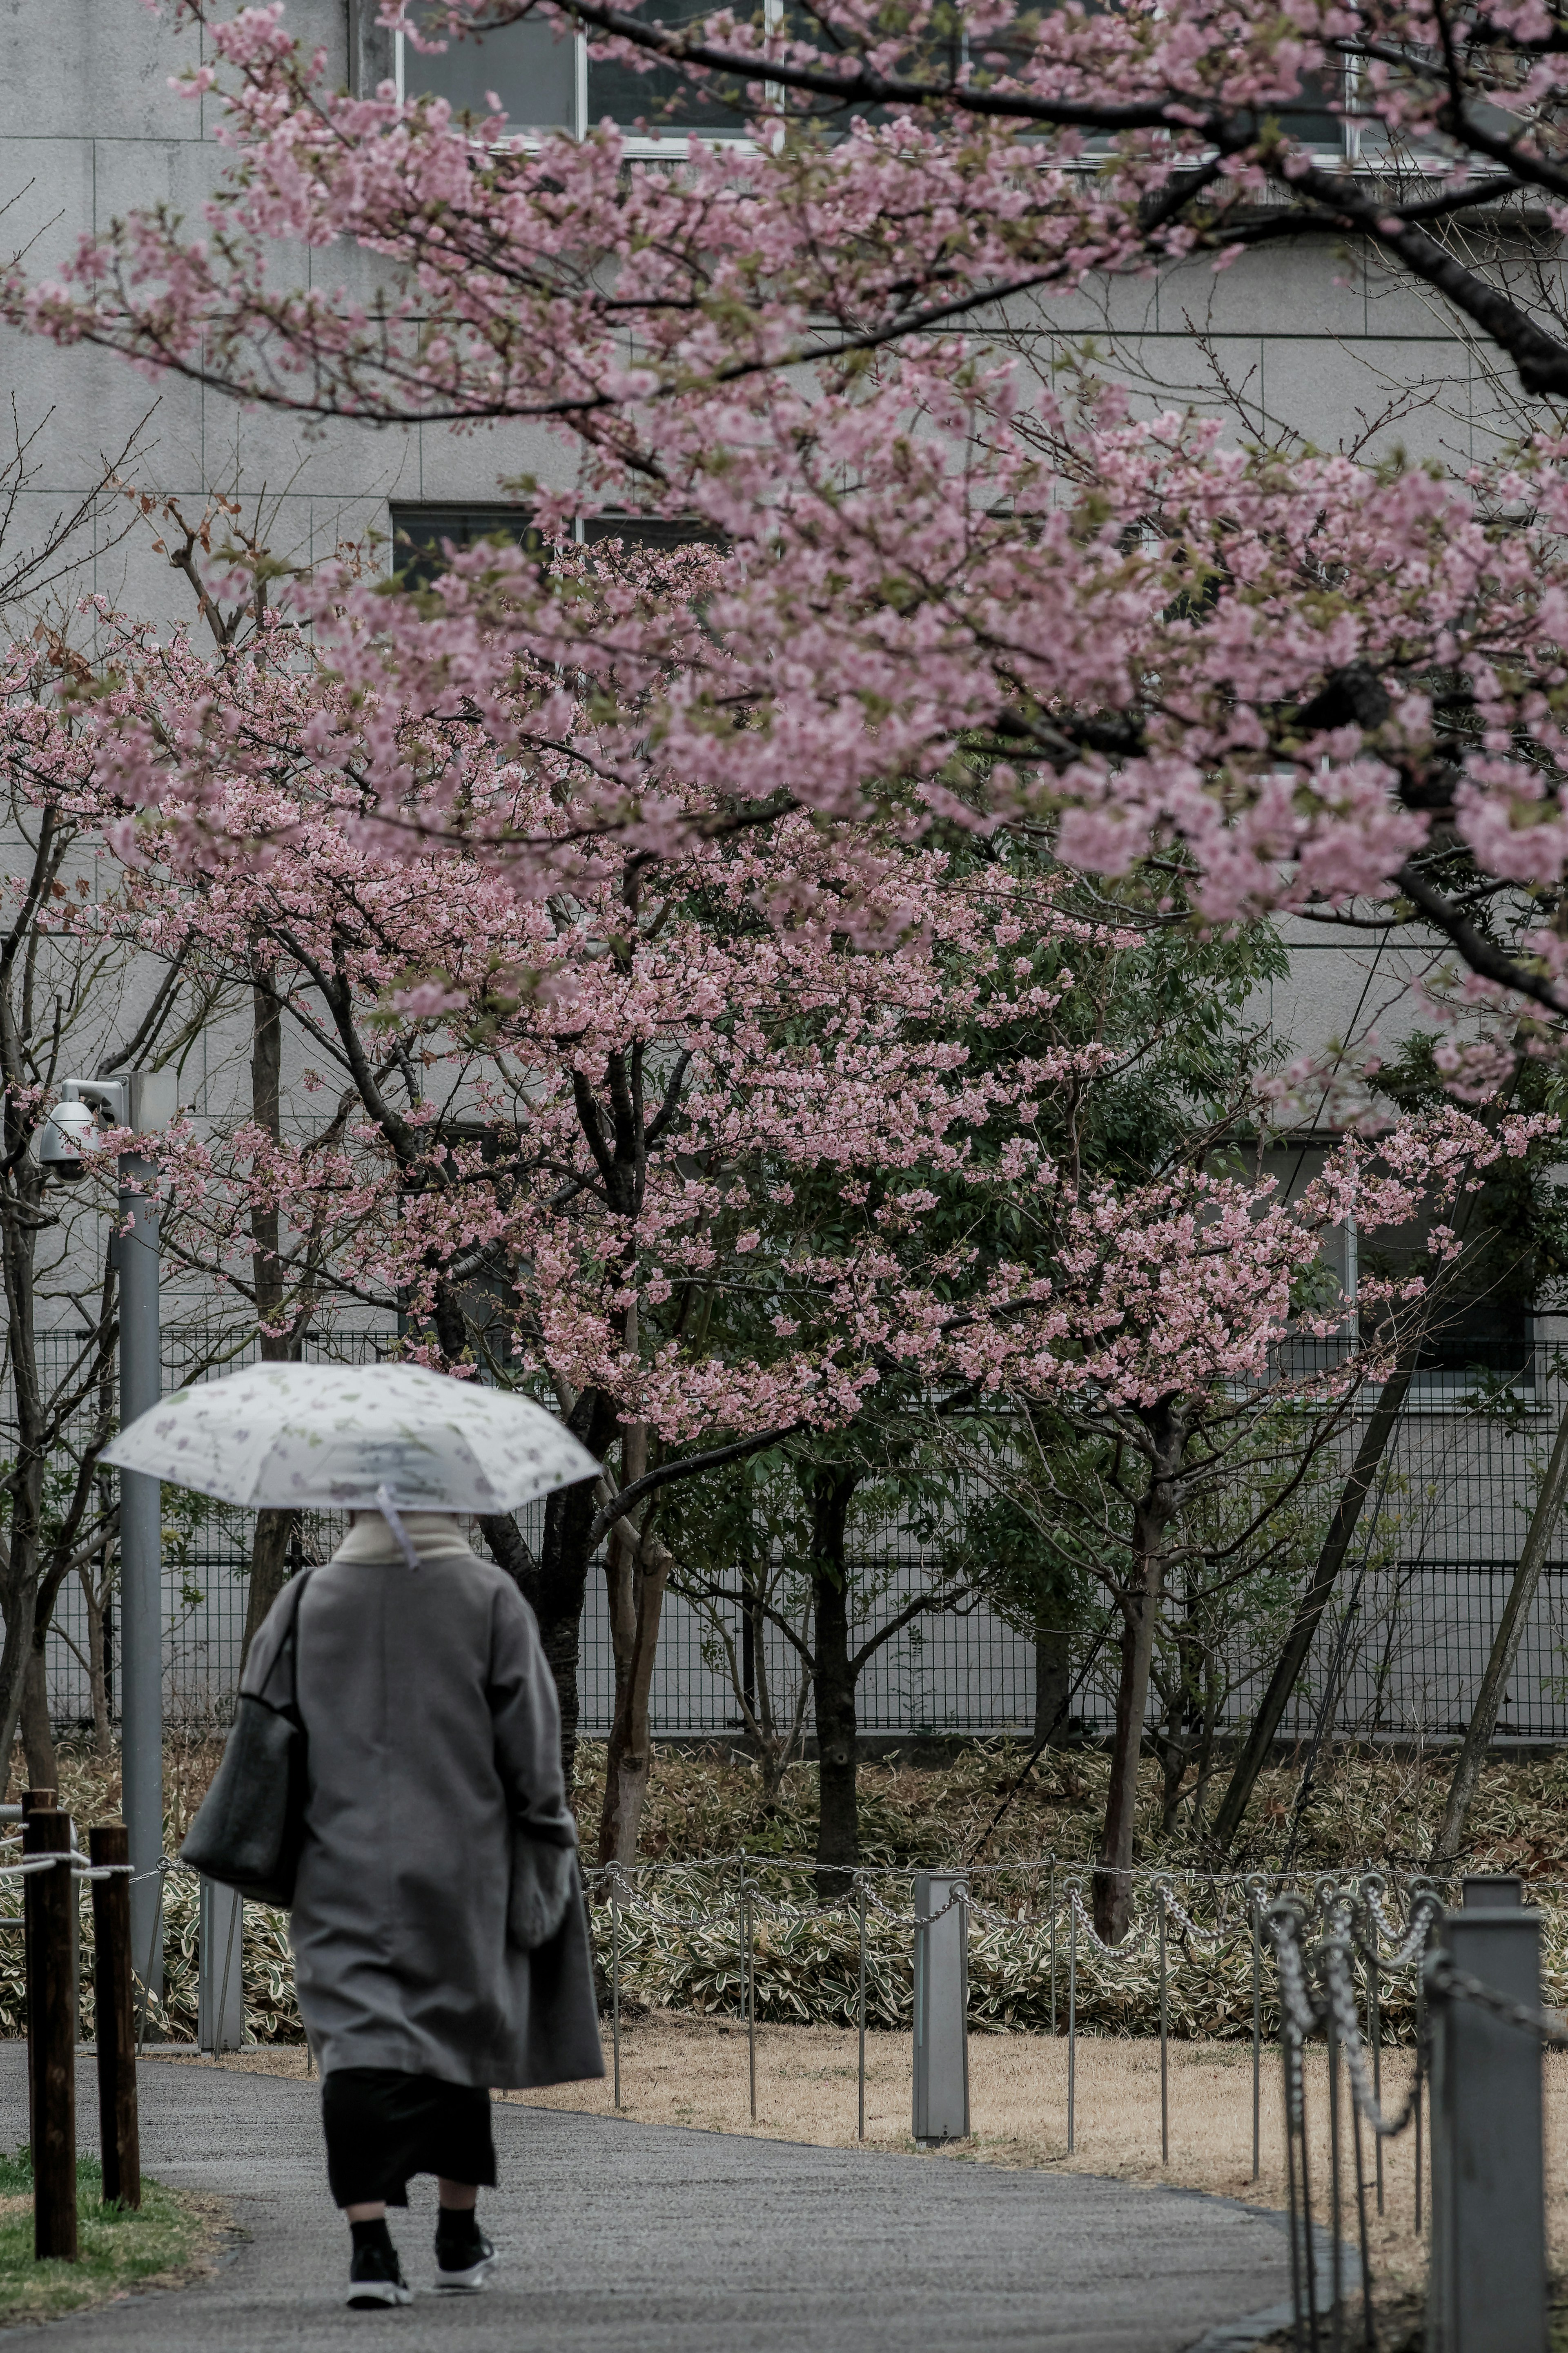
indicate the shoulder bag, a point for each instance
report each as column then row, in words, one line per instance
column 250, row 1826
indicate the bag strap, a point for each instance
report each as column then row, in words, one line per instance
column 287, row 1655
column 290, row 1642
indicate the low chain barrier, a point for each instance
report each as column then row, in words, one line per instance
column 1345, row 1957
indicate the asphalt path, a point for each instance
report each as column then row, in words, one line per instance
column 625, row 2238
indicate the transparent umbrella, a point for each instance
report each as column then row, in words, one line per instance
column 354, row 1437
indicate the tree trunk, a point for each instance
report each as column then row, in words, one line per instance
column 1053, row 1680
column 37, row 1734
column 269, row 1571
column 557, row 1584
column 1313, row 1602
column 833, row 1679
column 508, row 1549
column 269, row 1539
column 637, row 1570
column 22, row 1553
column 622, row 1602
column 97, row 1667
column 629, row 1764
column 1141, row 1608
column 1505, row 1649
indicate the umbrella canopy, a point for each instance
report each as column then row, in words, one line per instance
column 337, row 1437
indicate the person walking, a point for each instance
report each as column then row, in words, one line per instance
column 440, row 1940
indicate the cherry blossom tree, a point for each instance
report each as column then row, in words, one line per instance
column 1311, row 685
column 666, row 1141
column 563, row 1135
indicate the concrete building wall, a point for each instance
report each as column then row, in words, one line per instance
column 1302, row 337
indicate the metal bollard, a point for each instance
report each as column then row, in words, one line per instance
column 220, row 1990
column 114, row 2017
column 1488, row 2289
column 51, row 2036
column 941, row 2007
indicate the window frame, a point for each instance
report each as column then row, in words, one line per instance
column 671, row 146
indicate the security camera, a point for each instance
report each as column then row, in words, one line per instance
column 86, row 1107
column 71, row 1131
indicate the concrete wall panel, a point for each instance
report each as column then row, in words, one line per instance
column 103, row 66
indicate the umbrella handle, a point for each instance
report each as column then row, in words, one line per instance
column 388, row 1510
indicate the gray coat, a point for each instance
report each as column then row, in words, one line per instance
column 432, row 1728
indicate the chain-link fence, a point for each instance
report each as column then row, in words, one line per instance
column 1398, row 1656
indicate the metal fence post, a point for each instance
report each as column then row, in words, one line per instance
column 941, row 2007
column 51, row 2036
column 1052, row 1909
column 220, row 1968
column 114, row 2017
column 142, row 1566
column 749, row 1994
column 860, row 1885
column 1165, row 2041
column 615, row 1972
column 1257, row 2038
column 1072, row 2017
column 1488, row 2291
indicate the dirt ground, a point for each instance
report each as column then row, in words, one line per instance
column 686, row 2071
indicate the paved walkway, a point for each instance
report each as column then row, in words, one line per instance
column 624, row 2238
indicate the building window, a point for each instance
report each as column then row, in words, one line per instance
column 546, row 80
column 420, row 531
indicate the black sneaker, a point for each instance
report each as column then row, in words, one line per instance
column 461, row 2269
column 375, row 2278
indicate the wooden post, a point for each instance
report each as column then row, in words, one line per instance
column 33, row 1801
column 114, row 2017
column 51, row 2036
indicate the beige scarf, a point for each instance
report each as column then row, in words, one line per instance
column 435, row 1535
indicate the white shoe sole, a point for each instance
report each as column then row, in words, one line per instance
column 467, row 2282
column 367, row 2296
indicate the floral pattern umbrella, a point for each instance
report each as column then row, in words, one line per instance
column 339, row 1437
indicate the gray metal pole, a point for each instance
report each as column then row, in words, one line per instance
column 141, row 1567
column 1488, row 2291
column 942, row 2023
column 220, row 2015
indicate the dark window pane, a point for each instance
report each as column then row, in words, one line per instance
column 668, row 99
column 418, row 533
column 531, row 70
column 1484, row 1337
column 1312, row 122
column 647, row 530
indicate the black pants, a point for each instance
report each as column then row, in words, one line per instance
column 383, row 2125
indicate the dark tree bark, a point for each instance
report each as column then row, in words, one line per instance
column 37, row 1733
column 1053, row 1678
column 1271, row 1708
column 838, row 1734
column 1140, row 1601
column 21, row 1214
column 1504, row 1652
column 637, row 1570
column 269, row 1540
column 268, row 1570
column 508, row 1548
column 557, row 1583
